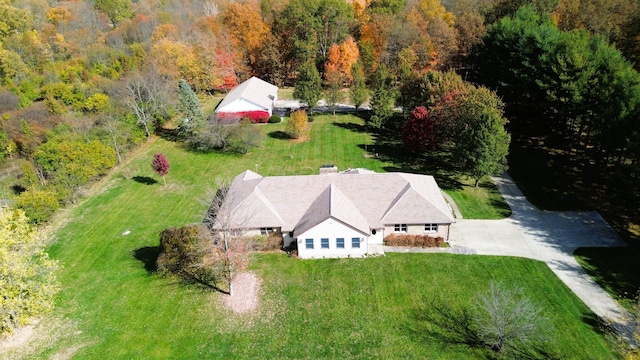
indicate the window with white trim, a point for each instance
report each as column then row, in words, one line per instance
column 355, row 243
column 430, row 227
column 400, row 228
column 266, row 231
column 324, row 243
column 340, row 243
column 309, row 243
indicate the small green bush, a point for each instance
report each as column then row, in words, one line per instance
column 245, row 137
column 274, row 119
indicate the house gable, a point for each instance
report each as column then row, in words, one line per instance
column 332, row 203
column 410, row 207
column 331, row 230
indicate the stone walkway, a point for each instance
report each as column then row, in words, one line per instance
column 547, row 236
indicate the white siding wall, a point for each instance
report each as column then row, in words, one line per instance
column 331, row 229
column 376, row 242
column 242, row 105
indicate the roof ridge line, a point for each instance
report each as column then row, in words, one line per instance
column 266, row 201
column 395, row 201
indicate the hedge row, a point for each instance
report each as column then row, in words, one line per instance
column 413, row 240
column 256, row 117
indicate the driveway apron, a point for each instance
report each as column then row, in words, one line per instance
column 547, row 236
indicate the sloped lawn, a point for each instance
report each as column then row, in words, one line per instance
column 116, row 307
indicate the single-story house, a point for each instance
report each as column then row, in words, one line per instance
column 337, row 214
column 253, row 99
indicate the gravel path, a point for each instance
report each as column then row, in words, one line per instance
column 246, row 291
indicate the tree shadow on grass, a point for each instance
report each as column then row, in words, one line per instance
column 444, row 325
column 148, row 255
column 203, row 284
column 168, row 134
column 144, row 180
column 351, row 126
column 437, row 322
column 615, row 269
column 597, row 324
column 280, row 135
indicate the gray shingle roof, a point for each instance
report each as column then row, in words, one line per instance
column 254, row 90
column 365, row 200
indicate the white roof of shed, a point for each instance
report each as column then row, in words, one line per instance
column 255, row 91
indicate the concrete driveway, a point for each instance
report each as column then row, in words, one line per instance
column 547, row 236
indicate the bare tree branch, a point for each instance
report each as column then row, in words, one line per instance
column 146, row 95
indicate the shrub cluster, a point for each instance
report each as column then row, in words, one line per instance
column 271, row 242
column 423, row 241
column 188, row 252
column 256, row 117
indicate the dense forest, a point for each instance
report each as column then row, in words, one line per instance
column 84, row 82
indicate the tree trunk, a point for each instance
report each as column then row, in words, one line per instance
column 115, row 147
column 164, row 180
column 146, row 130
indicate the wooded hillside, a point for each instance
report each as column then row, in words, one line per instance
column 84, row 82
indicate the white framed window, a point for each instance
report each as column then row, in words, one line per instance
column 430, row 227
column 400, row 228
column 324, row 243
column 340, row 243
column 308, row 243
column 355, row 243
column 266, row 231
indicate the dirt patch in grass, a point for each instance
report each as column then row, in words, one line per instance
column 18, row 338
column 41, row 335
column 246, row 293
column 301, row 139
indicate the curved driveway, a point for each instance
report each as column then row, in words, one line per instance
column 548, row 236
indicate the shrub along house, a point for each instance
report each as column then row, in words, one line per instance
column 337, row 214
column 253, row 99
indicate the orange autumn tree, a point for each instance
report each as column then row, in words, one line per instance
column 340, row 60
column 246, row 27
column 374, row 39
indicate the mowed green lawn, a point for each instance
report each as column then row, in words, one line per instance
column 113, row 306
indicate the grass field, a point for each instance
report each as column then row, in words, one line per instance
column 482, row 202
column 113, row 305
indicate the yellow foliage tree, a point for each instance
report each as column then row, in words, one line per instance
column 298, row 124
column 27, row 279
column 433, row 9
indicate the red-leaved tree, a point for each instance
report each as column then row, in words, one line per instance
column 418, row 133
column 161, row 165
